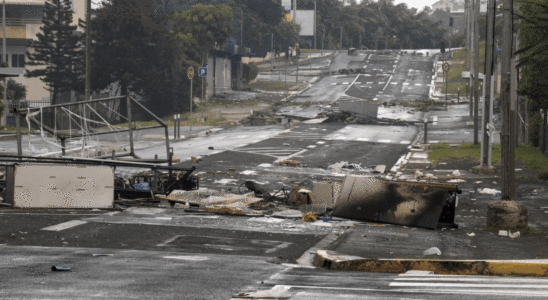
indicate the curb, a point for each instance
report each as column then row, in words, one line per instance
column 332, row 260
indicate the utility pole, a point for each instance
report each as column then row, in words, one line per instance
column 485, row 146
column 5, row 115
column 315, row 25
column 88, row 52
column 294, row 17
column 476, row 71
column 471, row 56
column 241, row 27
column 467, row 40
column 508, row 109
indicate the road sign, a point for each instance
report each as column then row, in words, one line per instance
column 309, row 43
column 446, row 67
column 202, row 72
column 190, row 73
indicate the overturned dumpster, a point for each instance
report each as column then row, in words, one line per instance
column 417, row 204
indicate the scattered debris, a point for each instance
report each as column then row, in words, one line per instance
column 286, row 144
column 488, row 191
column 397, row 202
column 456, row 181
column 379, row 169
column 471, row 234
column 57, row 268
column 288, row 213
column 455, row 173
column 432, row 251
column 503, row 233
column 514, row 235
column 290, row 163
column 299, row 196
column 309, row 217
column 478, row 182
column 277, row 292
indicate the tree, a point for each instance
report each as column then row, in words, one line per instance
column 134, row 52
column 202, row 27
column 533, row 35
column 56, row 50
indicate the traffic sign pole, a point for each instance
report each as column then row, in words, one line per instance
column 190, row 104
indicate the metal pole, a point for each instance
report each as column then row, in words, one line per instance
column 18, row 129
column 242, row 27
column 5, row 114
column 507, row 147
column 467, row 39
column 174, row 126
column 190, row 104
column 476, row 72
column 130, row 127
column 446, row 73
column 315, row 25
column 178, row 126
column 487, row 81
column 88, row 50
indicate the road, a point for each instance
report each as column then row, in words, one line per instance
column 305, row 283
column 147, row 253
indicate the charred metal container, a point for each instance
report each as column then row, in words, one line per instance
column 416, row 204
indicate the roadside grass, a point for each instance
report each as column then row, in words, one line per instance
column 454, row 76
column 310, row 50
column 530, row 156
column 425, row 105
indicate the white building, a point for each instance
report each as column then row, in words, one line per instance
column 23, row 22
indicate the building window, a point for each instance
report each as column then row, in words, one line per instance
column 14, row 61
column 21, row 60
column 17, row 60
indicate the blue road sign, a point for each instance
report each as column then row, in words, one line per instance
column 309, row 43
column 202, row 72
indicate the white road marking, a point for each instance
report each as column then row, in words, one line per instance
column 345, row 83
column 362, row 139
column 393, row 83
column 384, row 141
column 341, row 138
column 380, row 82
column 311, row 146
column 292, row 155
column 187, row 257
column 418, row 84
column 375, row 99
column 352, row 83
column 320, row 142
column 389, row 78
column 369, row 82
column 405, row 142
column 468, row 285
column 406, row 83
column 334, row 83
column 279, row 247
column 65, row 225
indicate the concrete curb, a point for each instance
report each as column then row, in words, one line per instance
column 332, row 260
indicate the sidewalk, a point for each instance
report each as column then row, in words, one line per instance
column 392, row 248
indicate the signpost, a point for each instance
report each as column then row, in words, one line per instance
column 202, row 72
column 446, row 68
column 190, row 74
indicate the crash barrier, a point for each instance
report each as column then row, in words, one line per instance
column 418, row 204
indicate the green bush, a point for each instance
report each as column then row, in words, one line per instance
column 535, row 124
column 250, row 72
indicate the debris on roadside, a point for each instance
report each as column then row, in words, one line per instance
column 309, row 217
column 432, row 251
column 418, row 204
column 57, row 268
column 488, row 191
column 291, row 163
